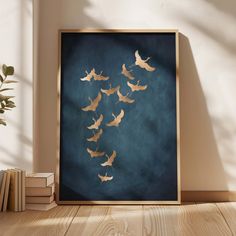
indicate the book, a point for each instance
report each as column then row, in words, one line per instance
column 2, row 187
column 39, row 179
column 40, row 200
column 19, row 188
column 40, row 207
column 37, row 192
column 23, row 190
column 13, row 191
column 6, row 192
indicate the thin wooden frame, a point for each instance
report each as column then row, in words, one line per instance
column 178, row 201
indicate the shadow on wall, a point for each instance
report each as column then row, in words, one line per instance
column 229, row 8
column 199, row 153
column 19, row 154
column 67, row 14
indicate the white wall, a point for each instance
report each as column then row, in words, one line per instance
column 207, row 71
column 16, row 49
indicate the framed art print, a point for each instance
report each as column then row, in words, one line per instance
column 118, row 117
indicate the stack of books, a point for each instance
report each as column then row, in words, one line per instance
column 12, row 190
column 40, row 189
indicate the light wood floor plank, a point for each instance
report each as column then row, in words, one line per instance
column 107, row 220
column 228, row 211
column 52, row 222
column 199, row 219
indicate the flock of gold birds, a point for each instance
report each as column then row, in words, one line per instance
column 94, row 103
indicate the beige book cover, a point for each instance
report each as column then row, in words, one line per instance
column 41, row 200
column 6, row 192
column 23, row 190
column 37, row 192
column 13, row 191
column 39, row 179
column 19, row 174
column 41, row 207
column 2, row 187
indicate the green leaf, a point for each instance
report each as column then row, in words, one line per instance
column 10, row 81
column 2, row 122
column 10, row 105
column 1, row 78
column 7, row 70
column 6, row 89
column 2, row 105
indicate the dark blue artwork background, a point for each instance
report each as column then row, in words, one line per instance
column 145, row 141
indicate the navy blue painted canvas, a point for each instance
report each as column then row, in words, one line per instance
column 118, row 132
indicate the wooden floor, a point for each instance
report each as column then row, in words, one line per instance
column 204, row 219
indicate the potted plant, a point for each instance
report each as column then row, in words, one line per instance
column 6, row 102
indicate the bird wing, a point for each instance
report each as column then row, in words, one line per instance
column 119, row 94
column 107, row 178
column 127, row 73
column 100, row 77
column 95, row 153
column 94, row 103
column 124, row 98
column 108, row 92
column 120, row 116
column 143, row 87
column 100, row 177
column 112, row 157
column 105, row 91
column 117, row 120
column 132, row 86
column 96, row 136
column 147, row 67
column 89, row 151
column 97, row 100
column 137, row 56
column 97, row 123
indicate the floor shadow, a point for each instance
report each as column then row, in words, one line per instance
column 201, row 165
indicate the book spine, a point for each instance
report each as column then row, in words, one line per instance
column 23, row 190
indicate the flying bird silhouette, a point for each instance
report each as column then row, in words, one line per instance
column 123, row 98
column 96, row 136
column 105, row 178
column 143, row 63
column 89, row 76
column 95, row 153
column 117, row 119
column 126, row 72
column 109, row 159
column 93, row 103
column 136, row 87
column 110, row 91
column 100, row 77
column 96, row 123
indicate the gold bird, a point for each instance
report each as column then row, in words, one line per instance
column 89, row 75
column 93, row 103
column 126, row 72
column 96, row 136
column 109, row 159
column 110, row 91
column 117, row 119
column 96, row 123
column 136, row 87
column 123, row 98
column 105, row 178
column 100, row 77
column 143, row 63
column 95, row 153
